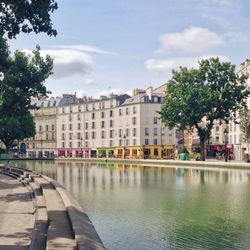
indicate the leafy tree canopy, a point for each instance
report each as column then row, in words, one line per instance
column 24, row 79
column 26, row 16
column 195, row 98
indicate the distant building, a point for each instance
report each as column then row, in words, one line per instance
column 111, row 126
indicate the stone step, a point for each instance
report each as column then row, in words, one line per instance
column 60, row 234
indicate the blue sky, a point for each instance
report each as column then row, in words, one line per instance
column 115, row 46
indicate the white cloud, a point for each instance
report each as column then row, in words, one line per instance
column 192, row 40
column 165, row 65
column 84, row 48
column 68, row 62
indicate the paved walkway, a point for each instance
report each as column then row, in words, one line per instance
column 16, row 215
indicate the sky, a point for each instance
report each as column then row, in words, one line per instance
column 115, row 46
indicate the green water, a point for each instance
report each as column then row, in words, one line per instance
column 136, row 207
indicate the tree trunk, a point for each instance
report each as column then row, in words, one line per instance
column 202, row 146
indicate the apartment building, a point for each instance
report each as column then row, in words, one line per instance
column 43, row 144
column 115, row 126
column 236, row 137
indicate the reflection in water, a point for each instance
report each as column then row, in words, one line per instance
column 141, row 207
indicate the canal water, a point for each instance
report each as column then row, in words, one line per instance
column 137, row 207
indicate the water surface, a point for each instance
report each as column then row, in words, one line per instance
column 137, row 207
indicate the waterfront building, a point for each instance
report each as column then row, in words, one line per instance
column 236, row 137
column 116, row 126
column 43, row 144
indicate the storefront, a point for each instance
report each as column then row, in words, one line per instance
column 73, row 152
column 105, row 152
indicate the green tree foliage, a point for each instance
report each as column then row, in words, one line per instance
column 24, row 79
column 195, row 98
column 26, row 16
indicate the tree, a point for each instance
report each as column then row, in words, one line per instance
column 244, row 115
column 26, row 16
column 24, row 79
column 196, row 98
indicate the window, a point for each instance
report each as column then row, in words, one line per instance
column 102, row 115
column 134, row 151
column 217, row 128
column 40, row 128
column 146, row 131
column 134, row 142
column 127, row 132
column 93, row 134
column 93, row 125
column 63, row 144
column 63, row 136
column 78, row 135
column 155, row 131
column 79, row 117
column 111, row 123
column 120, row 112
column 103, row 105
column 63, row 127
column 146, row 141
column 79, row 144
column 103, row 124
column 70, row 109
column 86, row 135
column 134, row 131
column 120, row 142
column 127, row 142
column 47, row 127
column 93, row 106
column 53, row 127
column 111, row 143
column 63, row 110
column 120, row 132
column 155, row 151
column 127, row 111
column 217, row 139
column 155, row 141
column 134, row 110
column 79, row 109
column 70, row 118
column 102, row 134
column 70, row 144
column 134, row 120
column 111, row 133
column 79, row 125
column 111, row 113
column 155, row 120
column 70, row 136
column 86, row 125
column 53, row 136
column 93, row 115
column 70, row 126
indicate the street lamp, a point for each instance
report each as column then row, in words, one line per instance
column 124, row 138
column 226, row 142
